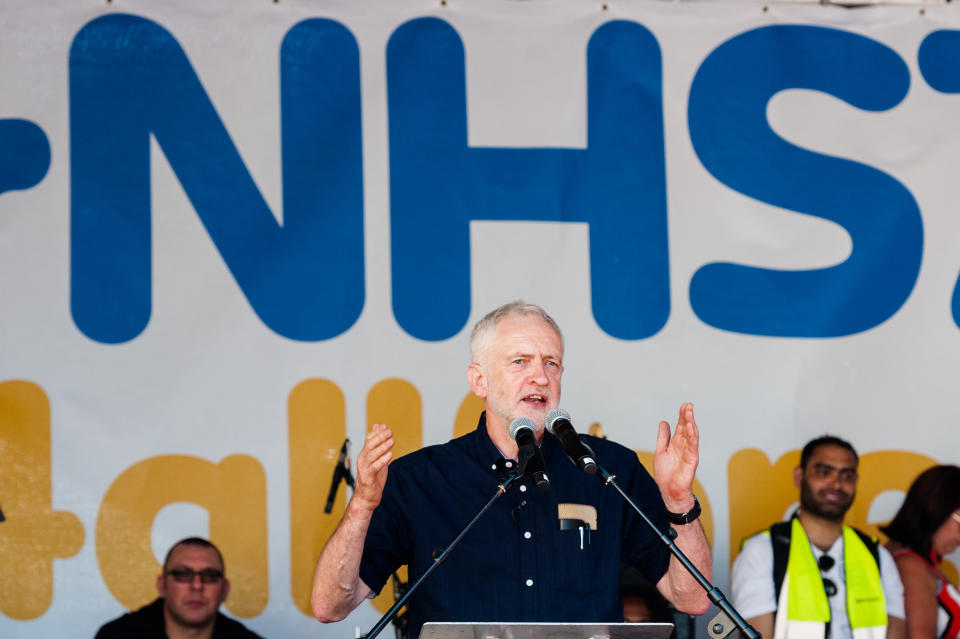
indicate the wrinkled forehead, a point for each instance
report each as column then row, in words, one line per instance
column 527, row 331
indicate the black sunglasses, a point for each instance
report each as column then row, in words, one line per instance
column 826, row 563
column 185, row 575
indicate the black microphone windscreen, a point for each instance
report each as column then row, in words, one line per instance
column 519, row 424
column 554, row 416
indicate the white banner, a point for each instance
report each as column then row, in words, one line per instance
column 233, row 234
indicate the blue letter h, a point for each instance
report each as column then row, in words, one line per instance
column 617, row 185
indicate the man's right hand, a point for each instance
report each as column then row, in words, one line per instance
column 372, row 465
column 337, row 587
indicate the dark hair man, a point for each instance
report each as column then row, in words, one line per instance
column 552, row 556
column 191, row 587
column 812, row 576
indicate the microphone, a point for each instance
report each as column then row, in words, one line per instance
column 339, row 472
column 558, row 423
column 531, row 462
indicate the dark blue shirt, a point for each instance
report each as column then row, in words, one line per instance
column 522, row 561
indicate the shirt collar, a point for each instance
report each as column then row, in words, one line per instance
column 487, row 453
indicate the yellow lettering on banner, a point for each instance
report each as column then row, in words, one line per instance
column 468, row 415
column 397, row 403
column 879, row 472
column 233, row 492
column 316, row 430
column 759, row 492
column 33, row 534
column 706, row 514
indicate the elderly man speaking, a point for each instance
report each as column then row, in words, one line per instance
column 550, row 556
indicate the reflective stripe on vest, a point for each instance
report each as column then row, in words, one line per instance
column 803, row 598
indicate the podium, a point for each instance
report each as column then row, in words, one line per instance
column 492, row 630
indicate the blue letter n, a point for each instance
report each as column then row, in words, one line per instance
column 438, row 184
column 129, row 79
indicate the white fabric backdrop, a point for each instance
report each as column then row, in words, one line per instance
column 206, row 377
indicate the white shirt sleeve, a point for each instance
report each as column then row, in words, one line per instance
column 751, row 581
column 892, row 586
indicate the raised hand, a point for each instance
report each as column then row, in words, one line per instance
column 372, row 467
column 337, row 587
column 675, row 461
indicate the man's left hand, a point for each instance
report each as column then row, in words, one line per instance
column 675, row 461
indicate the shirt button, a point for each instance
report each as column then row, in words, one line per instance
column 523, row 488
column 529, row 582
column 527, row 535
column 493, row 466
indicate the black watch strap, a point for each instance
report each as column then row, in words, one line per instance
column 685, row 518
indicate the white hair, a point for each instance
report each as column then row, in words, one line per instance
column 484, row 330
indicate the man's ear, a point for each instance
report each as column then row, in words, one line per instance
column 161, row 586
column 225, row 590
column 477, row 379
column 797, row 477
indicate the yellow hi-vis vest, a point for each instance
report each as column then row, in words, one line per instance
column 803, row 599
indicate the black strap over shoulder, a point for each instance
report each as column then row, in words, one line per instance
column 872, row 544
column 780, row 540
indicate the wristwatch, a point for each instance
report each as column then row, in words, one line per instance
column 685, row 518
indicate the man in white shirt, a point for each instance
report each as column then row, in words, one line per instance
column 812, row 576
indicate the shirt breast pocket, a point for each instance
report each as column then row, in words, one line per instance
column 580, row 545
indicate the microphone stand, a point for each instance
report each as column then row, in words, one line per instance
column 441, row 556
column 719, row 626
column 400, row 623
column 340, row 473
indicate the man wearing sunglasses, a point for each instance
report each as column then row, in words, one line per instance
column 812, row 576
column 191, row 587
